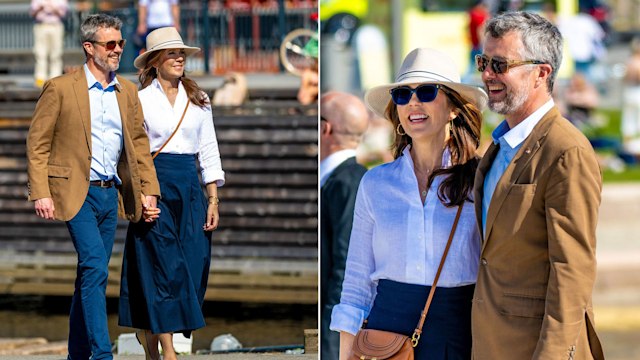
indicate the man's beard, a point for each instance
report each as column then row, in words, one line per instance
column 104, row 63
column 511, row 103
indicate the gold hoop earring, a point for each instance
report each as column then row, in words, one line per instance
column 398, row 130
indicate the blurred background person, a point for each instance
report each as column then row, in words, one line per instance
column 478, row 16
column 579, row 100
column 309, row 80
column 154, row 14
column 48, row 38
column 585, row 39
column 630, row 126
column 344, row 119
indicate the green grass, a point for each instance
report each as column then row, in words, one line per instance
column 630, row 174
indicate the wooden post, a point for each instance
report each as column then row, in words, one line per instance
column 311, row 341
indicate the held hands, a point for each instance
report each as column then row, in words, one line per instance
column 150, row 211
column 45, row 208
column 213, row 215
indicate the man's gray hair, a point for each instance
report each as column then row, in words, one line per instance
column 94, row 22
column 542, row 40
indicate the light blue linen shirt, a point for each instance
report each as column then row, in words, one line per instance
column 106, row 128
column 396, row 237
column 510, row 141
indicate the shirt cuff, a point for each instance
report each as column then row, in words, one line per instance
column 213, row 176
column 347, row 318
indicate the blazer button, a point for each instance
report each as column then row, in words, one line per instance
column 484, row 261
column 89, row 157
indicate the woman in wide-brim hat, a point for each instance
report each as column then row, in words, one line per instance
column 166, row 262
column 405, row 210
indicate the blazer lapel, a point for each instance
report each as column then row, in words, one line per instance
column 80, row 87
column 523, row 157
column 122, row 104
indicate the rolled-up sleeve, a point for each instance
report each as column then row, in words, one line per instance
column 208, row 151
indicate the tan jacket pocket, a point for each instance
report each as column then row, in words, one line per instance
column 56, row 171
column 523, row 304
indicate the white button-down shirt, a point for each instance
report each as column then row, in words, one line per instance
column 396, row 237
column 196, row 134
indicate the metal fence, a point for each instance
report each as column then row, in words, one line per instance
column 245, row 40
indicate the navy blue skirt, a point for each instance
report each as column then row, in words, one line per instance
column 165, row 268
column 446, row 333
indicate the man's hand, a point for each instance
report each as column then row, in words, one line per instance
column 150, row 211
column 45, row 208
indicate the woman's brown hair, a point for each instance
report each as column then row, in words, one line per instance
column 462, row 144
column 195, row 94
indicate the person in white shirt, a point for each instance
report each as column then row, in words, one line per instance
column 48, row 38
column 166, row 263
column 405, row 210
column 155, row 14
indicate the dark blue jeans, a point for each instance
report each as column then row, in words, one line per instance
column 92, row 232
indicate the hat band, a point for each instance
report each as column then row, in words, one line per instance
column 167, row 44
column 427, row 74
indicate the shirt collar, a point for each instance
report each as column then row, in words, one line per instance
column 92, row 82
column 446, row 157
column 514, row 137
column 156, row 85
column 332, row 161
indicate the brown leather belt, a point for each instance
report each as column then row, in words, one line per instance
column 102, row 183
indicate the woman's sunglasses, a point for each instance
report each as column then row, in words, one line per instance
column 425, row 93
column 111, row 45
column 501, row 66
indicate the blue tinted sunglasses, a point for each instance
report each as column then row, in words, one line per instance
column 425, row 93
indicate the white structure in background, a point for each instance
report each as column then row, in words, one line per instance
column 372, row 54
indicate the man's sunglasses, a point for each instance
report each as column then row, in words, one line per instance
column 425, row 93
column 501, row 66
column 111, row 45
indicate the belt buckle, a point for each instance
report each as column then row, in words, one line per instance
column 105, row 184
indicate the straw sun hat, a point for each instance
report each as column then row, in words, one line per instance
column 160, row 39
column 425, row 66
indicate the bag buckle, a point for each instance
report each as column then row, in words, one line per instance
column 414, row 339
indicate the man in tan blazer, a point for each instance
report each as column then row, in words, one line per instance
column 88, row 161
column 537, row 193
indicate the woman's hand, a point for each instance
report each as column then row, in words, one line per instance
column 150, row 211
column 212, row 217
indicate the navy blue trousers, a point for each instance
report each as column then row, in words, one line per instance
column 92, row 230
column 446, row 333
column 166, row 263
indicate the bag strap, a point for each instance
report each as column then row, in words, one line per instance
column 416, row 333
column 174, row 131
